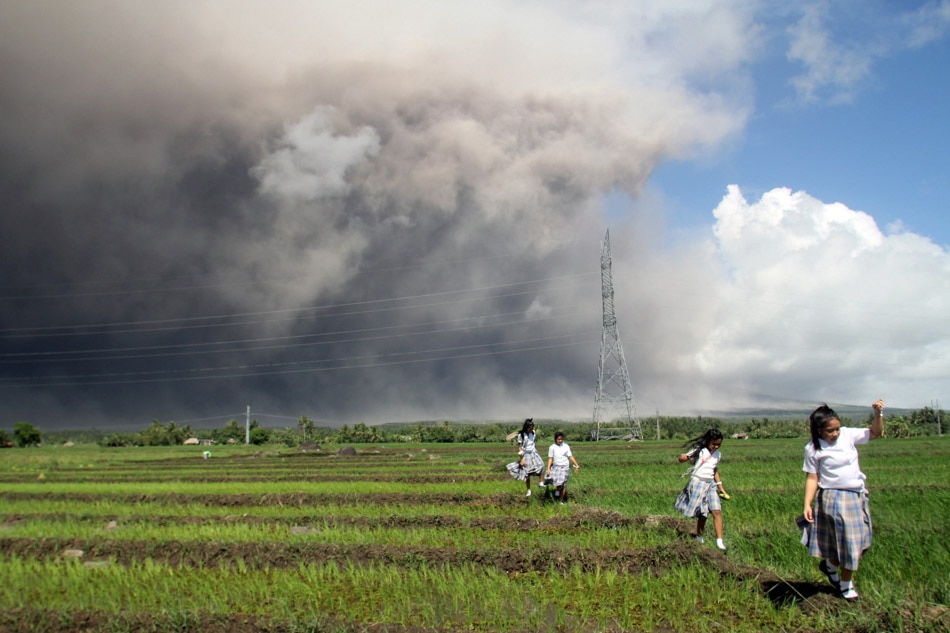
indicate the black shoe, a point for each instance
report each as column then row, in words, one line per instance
column 832, row 576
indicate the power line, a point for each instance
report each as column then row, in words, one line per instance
column 100, row 332
column 228, row 284
column 46, row 356
column 28, row 330
column 213, row 417
column 473, row 323
column 313, row 369
column 301, row 362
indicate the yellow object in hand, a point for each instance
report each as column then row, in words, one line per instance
column 724, row 495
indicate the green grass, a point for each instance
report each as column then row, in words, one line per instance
column 167, row 496
column 315, row 531
column 462, row 598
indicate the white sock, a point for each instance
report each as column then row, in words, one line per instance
column 830, row 566
column 845, row 585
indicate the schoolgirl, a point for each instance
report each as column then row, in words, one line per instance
column 836, row 516
column 560, row 459
column 529, row 461
column 700, row 497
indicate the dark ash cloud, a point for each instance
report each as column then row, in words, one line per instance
column 317, row 210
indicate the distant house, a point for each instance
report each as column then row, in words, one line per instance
column 740, row 436
column 205, row 442
column 191, row 441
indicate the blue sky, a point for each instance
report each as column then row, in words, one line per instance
column 885, row 149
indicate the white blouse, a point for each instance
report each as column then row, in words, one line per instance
column 560, row 453
column 837, row 464
column 527, row 442
column 706, row 464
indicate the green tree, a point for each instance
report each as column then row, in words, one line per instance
column 158, row 434
column 178, row 434
column 231, row 431
column 925, row 421
column 343, row 435
column 437, row 433
column 361, row 433
column 898, row 427
column 234, row 430
column 259, row 435
column 122, row 439
column 5, row 439
column 286, row 436
column 25, row 434
column 307, row 428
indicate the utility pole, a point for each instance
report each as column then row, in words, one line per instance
column 247, row 426
column 613, row 400
column 657, row 424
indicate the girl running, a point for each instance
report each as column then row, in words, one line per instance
column 529, row 461
column 700, row 497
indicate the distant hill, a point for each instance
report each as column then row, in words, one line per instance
column 854, row 412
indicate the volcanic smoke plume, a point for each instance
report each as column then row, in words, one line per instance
column 354, row 211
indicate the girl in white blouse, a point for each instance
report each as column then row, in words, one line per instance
column 560, row 459
column 836, row 514
column 700, row 497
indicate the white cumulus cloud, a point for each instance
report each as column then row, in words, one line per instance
column 816, row 301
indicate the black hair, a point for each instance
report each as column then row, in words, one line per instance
column 558, row 434
column 818, row 419
column 703, row 441
column 527, row 426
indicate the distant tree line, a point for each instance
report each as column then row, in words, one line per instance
column 922, row 422
column 918, row 423
column 24, row 435
column 158, row 434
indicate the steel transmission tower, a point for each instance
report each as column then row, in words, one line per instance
column 614, row 412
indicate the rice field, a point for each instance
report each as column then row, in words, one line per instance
column 413, row 538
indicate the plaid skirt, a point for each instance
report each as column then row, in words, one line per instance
column 842, row 527
column 698, row 498
column 559, row 474
column 533, row 465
